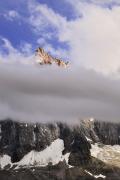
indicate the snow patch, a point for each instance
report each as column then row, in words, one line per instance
column 95, row 176
column 107, row 153
column 66, row 158
column 100, row 176
column 88, row 139
column 95, row 150
column 52, row 154
column 4, row 161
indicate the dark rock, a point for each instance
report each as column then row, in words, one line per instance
column 17, row 139
column 107, row 132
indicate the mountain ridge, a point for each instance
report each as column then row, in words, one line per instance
column 56, row 145
column 43, row 58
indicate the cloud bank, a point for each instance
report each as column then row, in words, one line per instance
column 30, row 93
column 94, row 37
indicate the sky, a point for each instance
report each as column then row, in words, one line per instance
column 84, row 32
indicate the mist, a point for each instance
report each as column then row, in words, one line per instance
column 45, row 94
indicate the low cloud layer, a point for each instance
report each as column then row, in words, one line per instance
column 30, row 93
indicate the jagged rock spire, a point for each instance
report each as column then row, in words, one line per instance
column 45, row 58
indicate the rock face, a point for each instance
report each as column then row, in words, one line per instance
column 18, row 139
column 108, row 133
column 44, row 58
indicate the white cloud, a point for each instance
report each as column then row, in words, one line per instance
column 14, row 56
column 11, row 15
column 96, row 2
column 48, row 24
column 7, row 44
column 41, row 16
column 26, row 48
column 94, row 38
column 103, row 1
column 24, row 54
column 56, row 52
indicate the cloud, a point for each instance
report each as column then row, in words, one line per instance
column 30, row 93
column 96, row 2
column 113, row 2
column 11, row 55
column 56, row 52
column 11, row 15
column 42, row 17
column 92, row 37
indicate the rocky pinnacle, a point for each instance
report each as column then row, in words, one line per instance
column 45, row 58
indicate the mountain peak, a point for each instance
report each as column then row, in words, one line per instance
column 45, row 58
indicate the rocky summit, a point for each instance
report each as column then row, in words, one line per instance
column 45, row 58
column 58, row 151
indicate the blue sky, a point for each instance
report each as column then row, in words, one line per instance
column 64, row 28
column 17, row 30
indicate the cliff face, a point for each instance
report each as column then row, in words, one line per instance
column 17, row 139
column 28, row 145
column 108, row 133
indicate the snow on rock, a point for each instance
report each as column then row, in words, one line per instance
column 88, row 139
column 95, row 176
column 95, row 150
column 107, row 153
column 52, row 154
column 4, row 161
column 66, row 157
column 100, row 176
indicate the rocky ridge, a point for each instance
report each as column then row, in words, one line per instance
column 19, row 139
column 43, row 58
